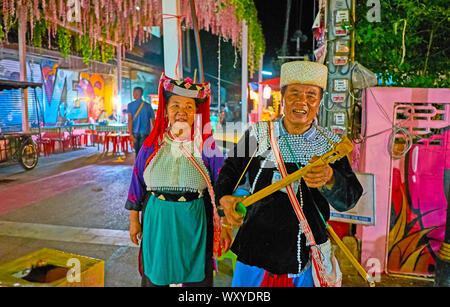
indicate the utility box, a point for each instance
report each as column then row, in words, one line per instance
column 52, row 268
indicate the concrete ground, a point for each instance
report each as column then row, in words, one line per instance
column 74, row 202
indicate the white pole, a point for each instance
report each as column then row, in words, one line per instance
column 23, row 66
column 119, row 84
column 244, row 117
column 171, row 34
column 260, row 88
column 218, row 76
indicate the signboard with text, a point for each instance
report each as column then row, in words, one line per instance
column 364, row 211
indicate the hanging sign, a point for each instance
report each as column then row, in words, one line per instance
column 339, row 118
column 340, row 32
column 338, row 97
column 340, row 59
column 342, row 46
column 342, row 16
column 338, row 129
column 340, row 85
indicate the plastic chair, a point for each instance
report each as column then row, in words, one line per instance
column 124, row 140
column 228, row 255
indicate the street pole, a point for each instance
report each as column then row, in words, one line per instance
column 218, row 76
column 173, row 65
column 260, row 88
column 119, row 82
column 244, row 70
column 23, row 67
column 197, row 43
column 442, row 277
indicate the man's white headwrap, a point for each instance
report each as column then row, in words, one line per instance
column 304, row 72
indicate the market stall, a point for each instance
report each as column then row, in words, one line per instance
column 17, row 145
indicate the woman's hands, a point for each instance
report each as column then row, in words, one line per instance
column 135, row 227
column 228, row 204
column 226, row 236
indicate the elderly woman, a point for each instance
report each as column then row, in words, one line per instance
column 172, row 186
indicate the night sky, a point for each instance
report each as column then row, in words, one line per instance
column 272, row 14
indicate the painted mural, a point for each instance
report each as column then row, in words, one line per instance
column 66, row 95
column 419, row 205
column 72, row 95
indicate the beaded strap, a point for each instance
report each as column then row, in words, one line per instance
column 317, row 259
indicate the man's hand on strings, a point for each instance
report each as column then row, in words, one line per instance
column 319, row 176
column 228, row 203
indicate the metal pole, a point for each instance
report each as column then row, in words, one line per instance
column 171, row 34
column 218, row 80
column 119, row 83
column 23, row 67
column 260, row 88
column 197, row 42
column 244, row 70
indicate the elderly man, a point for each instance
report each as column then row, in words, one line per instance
column 274, row 247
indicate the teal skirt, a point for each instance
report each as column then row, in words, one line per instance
column 174, row 241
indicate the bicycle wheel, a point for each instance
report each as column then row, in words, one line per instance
column 28, row 156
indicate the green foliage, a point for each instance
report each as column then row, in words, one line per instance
column 2, row 33
column 97, row 53
column 245, row 9
column 86, row 48
column 101, row 51
column 410, row 46
column 107, row 53
column 64, row 41
column 38, row 33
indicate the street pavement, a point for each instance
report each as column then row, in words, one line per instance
column 74, row 202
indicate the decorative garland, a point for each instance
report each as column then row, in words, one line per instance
column 121, row 22
column 224, row 18
column 245, row 9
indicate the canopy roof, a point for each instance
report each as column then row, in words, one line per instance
column 11, row 84
column 273, row 83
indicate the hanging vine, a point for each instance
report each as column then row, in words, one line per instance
column 123, row 22
column 65, row 42
column 107, row 53
column 2, row 34
column 39, row 31
column 86, row 48
column 246, row 10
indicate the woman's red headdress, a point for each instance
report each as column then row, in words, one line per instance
column 185, row 88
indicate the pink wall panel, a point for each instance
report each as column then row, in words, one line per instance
column 378, row 115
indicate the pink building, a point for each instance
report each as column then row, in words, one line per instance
column 410, row 201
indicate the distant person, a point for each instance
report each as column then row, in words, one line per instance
column 141, row 118
column 124, row 117
column 228, row 115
